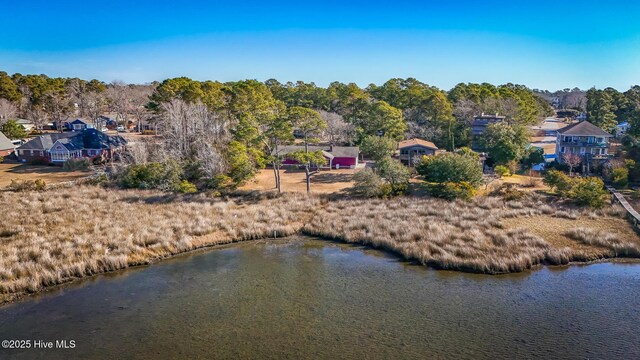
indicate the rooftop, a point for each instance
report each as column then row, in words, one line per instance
column 583, row 128
column 5, row 143
column 87, row 139
column 417, row 142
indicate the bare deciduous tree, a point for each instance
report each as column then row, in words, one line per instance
column 572, row 161
column 338, row 131
column 8, row 110
column 193, row 132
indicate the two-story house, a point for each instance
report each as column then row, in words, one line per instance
column 480, row 124
column 585, row 139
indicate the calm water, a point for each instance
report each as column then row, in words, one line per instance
column 304, row 298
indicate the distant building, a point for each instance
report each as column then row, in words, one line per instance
column 59, row 147
column 27, row 125
column 585, row 139
column 78, row 125
column 6, row 145
column 337, row 156
column 622, row 128
column 480, row 123
column 413, row 150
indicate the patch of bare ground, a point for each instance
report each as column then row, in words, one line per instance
column 294, row 180
column 569, row 233
column 25, row 172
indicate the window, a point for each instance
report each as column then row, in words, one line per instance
column 59, row 156
column 562, row 149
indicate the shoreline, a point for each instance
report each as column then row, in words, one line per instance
column 46, row 245
column 24, row 296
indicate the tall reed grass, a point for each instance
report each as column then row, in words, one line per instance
column 52, row 237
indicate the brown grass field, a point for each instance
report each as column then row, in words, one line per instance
column 60, row 235
column 50, row 174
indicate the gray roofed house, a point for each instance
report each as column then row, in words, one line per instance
column 583, row 128
column 6, row 146
column 584, row 139
column 59, row 147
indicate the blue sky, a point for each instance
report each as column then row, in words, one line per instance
column 542, row 44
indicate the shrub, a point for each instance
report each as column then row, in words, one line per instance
column 513, row 166
column 452, row 190
column 76, row 164
column 39, row 161
column 588, row 191
column 148, row 132
column 509, row 192
column 1, row 159
column 186, row 187
column 163, row 176
column 221, row 182
column 558, row 181
column 369, row 184
column 27, row 185
column 620, row 177
column 450, row 167
column 502, row 171
column 395, row 174
column 100, row 179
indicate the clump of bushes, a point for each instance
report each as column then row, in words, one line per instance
column 451, row 175
column 27, row 185
column 450, row 167
column 185, row 187
column 390, row 178
column 452, row 190
column 509, row 192
column 620, row 177
column 502, row 171
column 369, row 184
column 164, row 176
column 77, row 164
column 1, row 159
column 587, row 191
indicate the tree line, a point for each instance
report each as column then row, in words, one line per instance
column 222, row 133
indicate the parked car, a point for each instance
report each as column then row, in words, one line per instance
column 121, row 128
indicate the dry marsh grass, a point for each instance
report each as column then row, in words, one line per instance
column 476, row 236
column 53, row 237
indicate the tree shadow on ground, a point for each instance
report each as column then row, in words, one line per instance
column 329, row 178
